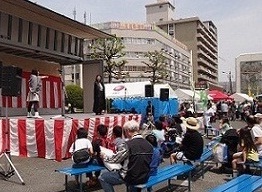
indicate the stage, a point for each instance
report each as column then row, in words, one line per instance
column 52, row 136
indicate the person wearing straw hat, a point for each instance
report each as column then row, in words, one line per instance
column 192, row 144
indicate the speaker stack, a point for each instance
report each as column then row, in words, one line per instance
column 164, row 94
column 11, row 81
column 149, row 91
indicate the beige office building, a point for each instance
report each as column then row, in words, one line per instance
column 141, row 38
column 249, row 73
column 198, row 36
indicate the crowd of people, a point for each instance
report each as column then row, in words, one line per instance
column 140, row 149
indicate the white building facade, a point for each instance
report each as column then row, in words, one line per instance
column 141, row 38
column 249, row 73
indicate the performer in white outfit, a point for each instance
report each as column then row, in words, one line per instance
column 33, row 94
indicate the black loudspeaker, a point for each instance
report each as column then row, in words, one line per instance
column 149, row 91
column 11, row 81
column 164, row 94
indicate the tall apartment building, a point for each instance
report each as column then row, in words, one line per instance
column 141, row 38
column 249, row 73
column 198, row 36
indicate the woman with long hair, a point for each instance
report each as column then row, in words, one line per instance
column 99, row 105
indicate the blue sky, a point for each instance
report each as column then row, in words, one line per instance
column 239, row 22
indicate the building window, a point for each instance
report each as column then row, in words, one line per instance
column 55, row 41
column 20, row 30
column 39, row 34
column 30, row 33
column 69, row 44
column 63, row 42
column 47, row 40
column 9, row 29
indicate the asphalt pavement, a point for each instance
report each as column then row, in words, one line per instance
column 39, row 176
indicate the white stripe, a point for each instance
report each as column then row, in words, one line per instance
column 110, row 126
column 81, row 123
column 14, row 141
column 50, row 139
column 91, row 127
column 48, row 94
column 31, row 143
column 55, row 95
column 23, row 93
column 14, row 102
column 66, row 133
column 119, row 120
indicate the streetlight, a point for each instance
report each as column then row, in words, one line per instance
column 230, row 81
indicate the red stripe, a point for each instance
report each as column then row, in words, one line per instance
column 9, row 101
column 86, row 124
column 19, row 101
column 72, row 136
column 58, row 136
column 21, row 125
column 44, row 94
column 5, row 132
column 59, row 89
column 107, row 121
column 97, row 122
column 115, row 120
column 123, row 119
column 52, row 96
column 40, row 138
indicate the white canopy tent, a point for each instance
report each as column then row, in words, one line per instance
column 187, row 95
column 241, row 97
column 134, row 89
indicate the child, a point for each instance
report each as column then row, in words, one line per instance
column 117, row 139
column 156, row 158
column 99, row 140
column 81, row 143
column 248, row 151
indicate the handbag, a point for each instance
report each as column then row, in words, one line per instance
column 81, row 155
column 220, row 153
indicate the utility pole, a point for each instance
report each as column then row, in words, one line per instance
column 230, row 82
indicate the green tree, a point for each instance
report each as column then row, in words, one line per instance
column 74, row 96
column 110, row 50
column 156, row 65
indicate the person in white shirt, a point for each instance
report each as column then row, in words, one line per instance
column 256, row 133
column 224, row 109
column 82, row 142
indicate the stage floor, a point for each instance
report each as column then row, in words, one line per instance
column 66, row 116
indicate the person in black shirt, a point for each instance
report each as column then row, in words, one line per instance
column 192, row 144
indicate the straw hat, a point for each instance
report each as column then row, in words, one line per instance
column 191, row 123
column 258, row 115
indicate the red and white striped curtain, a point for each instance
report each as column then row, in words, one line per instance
column 51, row 139
column 50, row 96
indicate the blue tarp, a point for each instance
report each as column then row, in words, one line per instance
column 169, row 107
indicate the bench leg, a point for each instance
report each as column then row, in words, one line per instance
column 189, row 181
column 202, row 170
column 66, row 181
column 81, row 184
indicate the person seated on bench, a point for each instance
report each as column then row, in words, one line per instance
column 248, row 152
column 157, row 156
column 82, row 142
column 256, row 133
column 135, row 155
column 100, row 140
column 192, row 144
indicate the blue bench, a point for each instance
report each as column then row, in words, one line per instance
column 166, row 174
column 69, row 171
column 242, row 183
column 256, row 165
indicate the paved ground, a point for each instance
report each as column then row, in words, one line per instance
column 39, row 176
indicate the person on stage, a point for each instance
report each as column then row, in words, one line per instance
column 33, row 94
column 99, row 105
